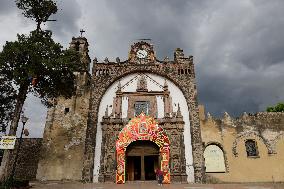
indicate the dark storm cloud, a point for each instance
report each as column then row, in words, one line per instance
column 7, row 7
column 240, row 65
column 119, row 23
column 66, row 24
column 237, row 45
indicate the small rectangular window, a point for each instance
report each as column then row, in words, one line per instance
column 66, row 110
column 251, row 148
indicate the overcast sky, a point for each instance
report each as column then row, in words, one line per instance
column 238, row 46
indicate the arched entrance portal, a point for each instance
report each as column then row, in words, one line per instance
column 142, row 128
column 142, row 159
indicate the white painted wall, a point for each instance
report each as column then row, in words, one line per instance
column 177, row 97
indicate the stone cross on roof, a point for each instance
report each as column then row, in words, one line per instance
column 82, row 31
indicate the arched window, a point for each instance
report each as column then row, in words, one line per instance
column 251, row 148
column 214, row 159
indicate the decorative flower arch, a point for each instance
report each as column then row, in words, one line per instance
column 142, row 127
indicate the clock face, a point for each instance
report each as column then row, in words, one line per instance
column 141, row 53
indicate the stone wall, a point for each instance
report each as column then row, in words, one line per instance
column 64, row 139
column 28, row 158
column 62, row 154
column 230, row 134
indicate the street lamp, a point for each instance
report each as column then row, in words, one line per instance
column 24, row 120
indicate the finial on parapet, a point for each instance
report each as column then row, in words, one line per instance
column 166, row 59
column 106, row 60
column 106, row 112
column 179, row 111
column 117, row 60
column 166, row 85
column 209, row 116
column 95, row 60
column 227, row 119
column 226, row 116
column 245, row 117
column 118, row 87
column 178, row 54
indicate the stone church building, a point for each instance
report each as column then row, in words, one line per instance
column 130, row 117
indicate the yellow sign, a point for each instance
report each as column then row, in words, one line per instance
column 7, row 142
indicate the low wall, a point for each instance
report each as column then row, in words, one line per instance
column 26, row 167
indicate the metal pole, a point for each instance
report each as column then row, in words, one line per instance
column 17, row 153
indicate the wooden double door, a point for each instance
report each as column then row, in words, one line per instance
column 142, row 159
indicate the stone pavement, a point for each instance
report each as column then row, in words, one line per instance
column 153, row 185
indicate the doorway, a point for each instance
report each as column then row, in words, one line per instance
column 151, row 164
column 134, row 167
column 142, row 158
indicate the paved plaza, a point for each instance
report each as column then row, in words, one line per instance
column 153, row 185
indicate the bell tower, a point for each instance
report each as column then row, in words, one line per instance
column 81, row 45
column 67, row 117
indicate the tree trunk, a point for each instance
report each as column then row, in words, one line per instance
column 21, row 97
column 7, row 161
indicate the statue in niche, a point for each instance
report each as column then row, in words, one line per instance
column 175, row 140
column 109, row 163
column 176, row 165
column 142, row 84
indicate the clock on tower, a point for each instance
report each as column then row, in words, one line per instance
column 141, row 52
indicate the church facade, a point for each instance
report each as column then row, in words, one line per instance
column 126, row 120
column 130, row 117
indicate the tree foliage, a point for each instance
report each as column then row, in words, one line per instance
column 38, row 63
column 37, row 10
column 278, row 108
column 34, row 63
column 7, row 102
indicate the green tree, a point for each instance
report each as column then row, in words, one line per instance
column 7, row 100
column 278, row 108
column 37, row 10
column 36, row 64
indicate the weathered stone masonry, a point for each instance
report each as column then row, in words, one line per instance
column 27, row 163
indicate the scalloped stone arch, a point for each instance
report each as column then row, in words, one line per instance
column 275, row 141
column 100, row 84
column 250, row 134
